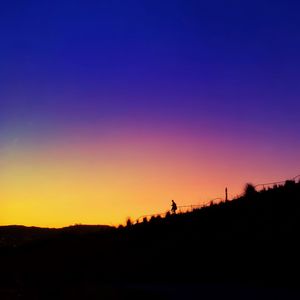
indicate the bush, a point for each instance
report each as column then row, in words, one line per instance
column 289, row 183
column 249, row 190
column 128, row 222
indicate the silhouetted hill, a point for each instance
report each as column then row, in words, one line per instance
column 248, row 246
column 16, row 235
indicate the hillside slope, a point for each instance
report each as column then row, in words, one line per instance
column 250, row 241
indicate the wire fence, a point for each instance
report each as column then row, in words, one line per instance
column 271, row 184
column 189, row 208
column 180, row 209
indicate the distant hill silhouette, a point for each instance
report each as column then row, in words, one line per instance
column 248, row 245
column 16, row 235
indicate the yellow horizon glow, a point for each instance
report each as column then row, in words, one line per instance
column 104, row 181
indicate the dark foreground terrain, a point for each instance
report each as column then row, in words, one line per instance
column 246, row 248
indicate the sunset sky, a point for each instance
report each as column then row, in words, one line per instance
column 111, row 109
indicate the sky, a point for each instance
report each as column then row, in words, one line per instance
column 111, row 109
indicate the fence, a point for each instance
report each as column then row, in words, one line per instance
column 189, row 208
column 271, row 184
column 181, row 209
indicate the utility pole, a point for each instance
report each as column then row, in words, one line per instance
column 226, row 195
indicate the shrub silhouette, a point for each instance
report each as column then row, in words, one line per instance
column 289, row 183
column 152, row 219
column 249, row 190
column 128, row 222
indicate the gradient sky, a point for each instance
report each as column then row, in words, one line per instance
column 110, row 109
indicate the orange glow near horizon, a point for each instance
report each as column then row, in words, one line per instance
column 92, row 180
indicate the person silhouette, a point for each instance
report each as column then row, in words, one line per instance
column 173, row 207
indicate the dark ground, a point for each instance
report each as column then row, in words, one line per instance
column 242, row 249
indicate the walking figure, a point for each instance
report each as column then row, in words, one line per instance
column 173, row 207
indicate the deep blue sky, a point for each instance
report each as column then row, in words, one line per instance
column 197, row 63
